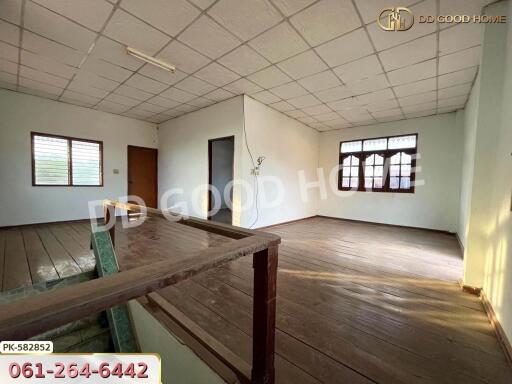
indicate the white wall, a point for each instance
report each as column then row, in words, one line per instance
column 288, row 147
column 469, row 118
column 20, row 202
column 488, row 254
column 434, row 204
column 183, row 153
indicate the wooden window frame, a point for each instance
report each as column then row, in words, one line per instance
column 69, row 139
column 387, row 153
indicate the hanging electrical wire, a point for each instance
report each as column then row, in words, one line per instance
column 255, row 180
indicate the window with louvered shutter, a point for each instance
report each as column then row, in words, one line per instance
column 85, row 162
column 65, row 161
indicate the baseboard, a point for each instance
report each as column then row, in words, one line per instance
column 469, row 288
column 286, row 222
column 45, row 223
column 361, row 222
column 388, row 225
column 500, row 332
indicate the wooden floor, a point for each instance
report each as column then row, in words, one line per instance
column 357, row 303
column 37, row 253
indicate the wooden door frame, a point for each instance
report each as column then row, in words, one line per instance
column 210, row 143
column 128, row 169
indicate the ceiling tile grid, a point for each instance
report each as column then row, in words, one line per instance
column 325, row 63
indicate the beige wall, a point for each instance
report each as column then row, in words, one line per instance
column 488, row 256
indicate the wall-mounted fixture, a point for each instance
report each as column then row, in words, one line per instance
column 256, row 170
column 151, row 60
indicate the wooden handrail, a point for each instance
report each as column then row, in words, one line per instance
column 205, row 225
column 264, row 298
column 31, row 316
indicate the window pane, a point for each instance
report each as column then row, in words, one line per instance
column 346, row 161
column 379, row 160
column 369, row 160
column 377, row 182
column 345, row 182
column 368, row 182
column 346, row 171
column 394, row 170
column 378, row 171
column 355, row 160
column 354, row 182
column 51, row 161
column 393, row 182
column 395, row 159
column 402, row 142
column 351, row 146
column 406, row 159
column 405, row 183
column 368, row 171
column 355, row 171
column 375, row 144
column 406, row 170
column 86, row 163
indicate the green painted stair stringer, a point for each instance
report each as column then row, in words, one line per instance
column 119, row 318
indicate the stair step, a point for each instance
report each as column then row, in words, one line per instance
column 72, row 327
column 87, row 335
column 38, row 288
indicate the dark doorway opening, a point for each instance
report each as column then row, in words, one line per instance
column 221, row 159
column 143, row 174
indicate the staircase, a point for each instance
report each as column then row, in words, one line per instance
column 87, row 335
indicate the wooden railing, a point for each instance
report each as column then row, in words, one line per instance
column 28, row 317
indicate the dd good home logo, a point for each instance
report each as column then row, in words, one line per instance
column 396, row 19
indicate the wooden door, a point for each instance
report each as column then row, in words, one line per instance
column 143, row 174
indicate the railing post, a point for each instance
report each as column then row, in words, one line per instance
column 109, row 213
column 264, row 315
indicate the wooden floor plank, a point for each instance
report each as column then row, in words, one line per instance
column 82, row 237
column 299, row 300
column 64, row 264
column 16, row 272
column 235, row 307
column 82, row 255
column 40, row 264
column 232, row 337
column 381, row 315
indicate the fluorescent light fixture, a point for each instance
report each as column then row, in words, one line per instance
column 150, row 60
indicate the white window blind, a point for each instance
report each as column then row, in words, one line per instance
column 85, row 163
column 51, row 161
column 66, row 161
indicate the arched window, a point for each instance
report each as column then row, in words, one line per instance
column 385, row 164
column 349, row 173
column 374, row 171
